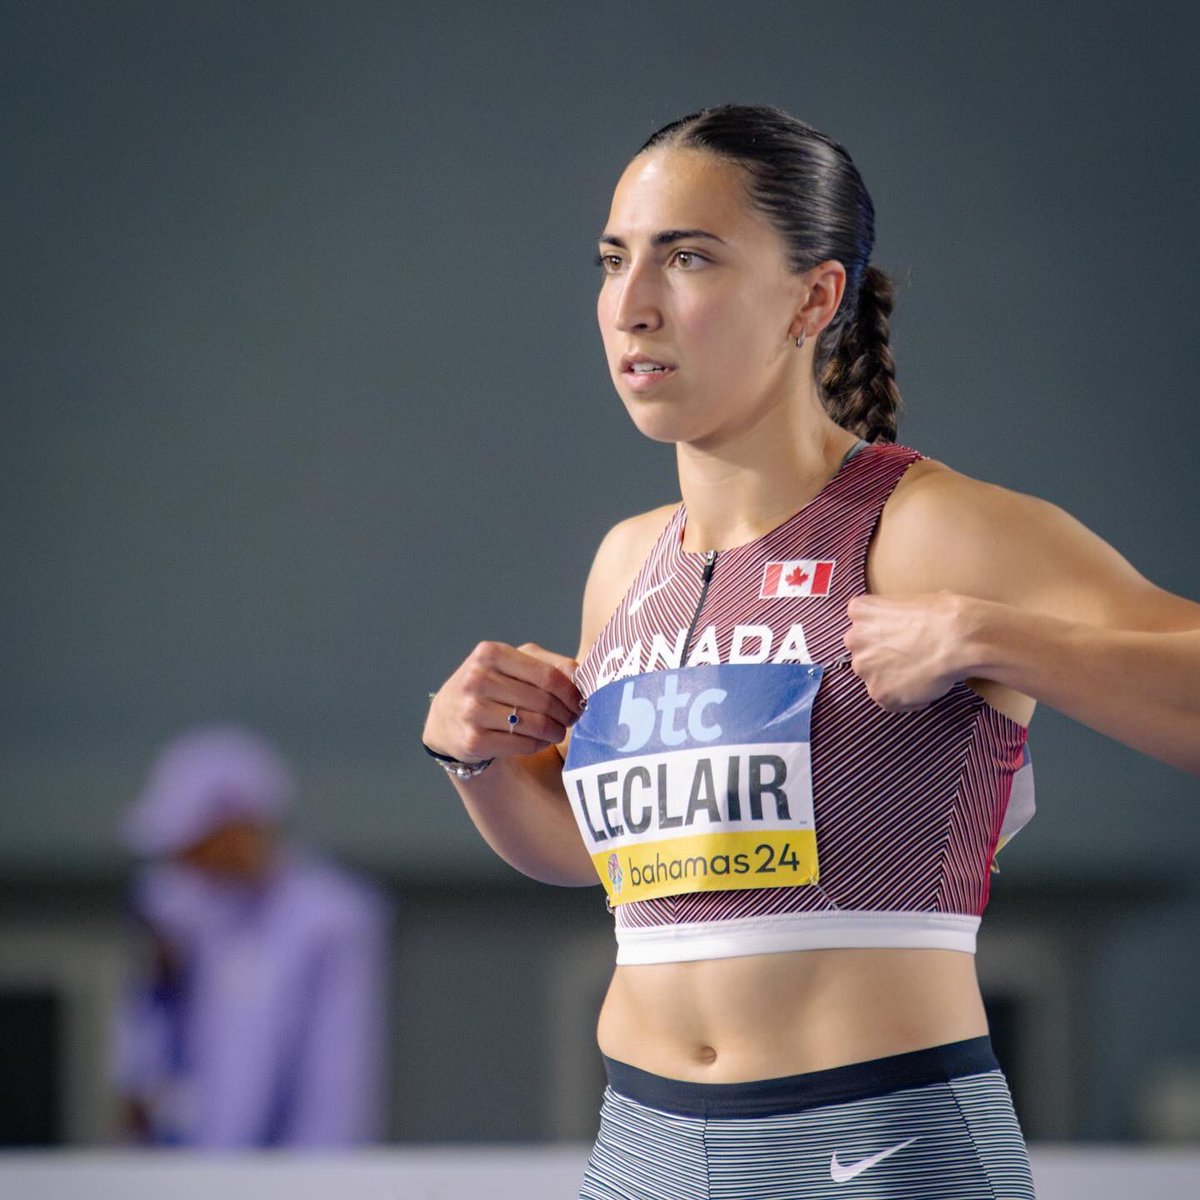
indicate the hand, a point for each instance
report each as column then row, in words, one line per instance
column 469, row 716
column 904, row 647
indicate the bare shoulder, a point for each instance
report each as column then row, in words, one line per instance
column 627, row 543
column 944, row 531
column 618, row 559
column 939, row 522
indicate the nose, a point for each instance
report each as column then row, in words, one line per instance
column 637, row 308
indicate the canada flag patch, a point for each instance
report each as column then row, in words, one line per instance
column 797, row 577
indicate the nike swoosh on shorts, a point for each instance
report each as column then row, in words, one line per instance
column 843, row 1174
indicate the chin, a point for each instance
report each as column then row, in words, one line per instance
column 657, row 422
column 670, row 421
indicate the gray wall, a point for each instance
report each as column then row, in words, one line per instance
column 302, row 393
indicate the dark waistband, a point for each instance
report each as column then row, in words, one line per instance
column 792, row 1093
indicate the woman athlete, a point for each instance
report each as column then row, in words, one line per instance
column 807, row 689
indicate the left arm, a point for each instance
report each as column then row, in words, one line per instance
column 972, row 582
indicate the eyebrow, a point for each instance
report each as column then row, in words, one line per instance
column 665, row 238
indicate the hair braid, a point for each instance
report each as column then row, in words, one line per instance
column 858, row 380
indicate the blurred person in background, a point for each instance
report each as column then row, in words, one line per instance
column 257, row 1015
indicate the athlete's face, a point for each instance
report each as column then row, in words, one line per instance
column 698, row 308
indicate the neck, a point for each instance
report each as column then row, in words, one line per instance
column 748, row 485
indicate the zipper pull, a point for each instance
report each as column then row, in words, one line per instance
column 710, row 561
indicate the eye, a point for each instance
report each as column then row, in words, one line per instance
column 608, row 263
column 688, row 259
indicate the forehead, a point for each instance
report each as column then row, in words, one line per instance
column 683, row 188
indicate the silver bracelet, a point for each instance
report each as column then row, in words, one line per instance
column 456, row 767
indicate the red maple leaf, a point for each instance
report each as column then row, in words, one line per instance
column 796, row 578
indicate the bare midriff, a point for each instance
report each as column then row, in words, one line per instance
column 730, row 1020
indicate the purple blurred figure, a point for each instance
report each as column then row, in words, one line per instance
column 260, row 1017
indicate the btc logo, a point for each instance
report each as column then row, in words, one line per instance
column 678, row 715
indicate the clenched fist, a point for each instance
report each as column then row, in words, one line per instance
column 907, row 649
column 470, row 716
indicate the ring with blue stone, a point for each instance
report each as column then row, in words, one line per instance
column 514, row 720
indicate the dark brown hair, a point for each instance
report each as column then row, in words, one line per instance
column 808, row 187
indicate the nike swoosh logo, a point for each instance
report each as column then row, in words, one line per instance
column 843, row 1174
column 642, row 597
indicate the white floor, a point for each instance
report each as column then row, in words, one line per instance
column 498, row 1173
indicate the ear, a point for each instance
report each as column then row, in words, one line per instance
column 821, row 291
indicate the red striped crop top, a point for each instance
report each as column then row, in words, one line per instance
column 909, row 807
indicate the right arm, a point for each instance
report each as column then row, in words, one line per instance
column 518, row 804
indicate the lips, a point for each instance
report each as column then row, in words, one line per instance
column 640, row 370
column 642, row 364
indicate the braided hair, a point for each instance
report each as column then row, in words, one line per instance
column 808, row 187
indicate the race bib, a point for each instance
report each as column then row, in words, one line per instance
column 697, row 780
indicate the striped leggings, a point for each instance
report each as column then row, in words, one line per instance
column 933, row 1124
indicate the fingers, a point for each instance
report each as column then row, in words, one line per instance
column 469, row 716
column 514, row 693
column 526, row 675
column 492, row 719
column 900, row 647
column 529, row 724
column 560, row 678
